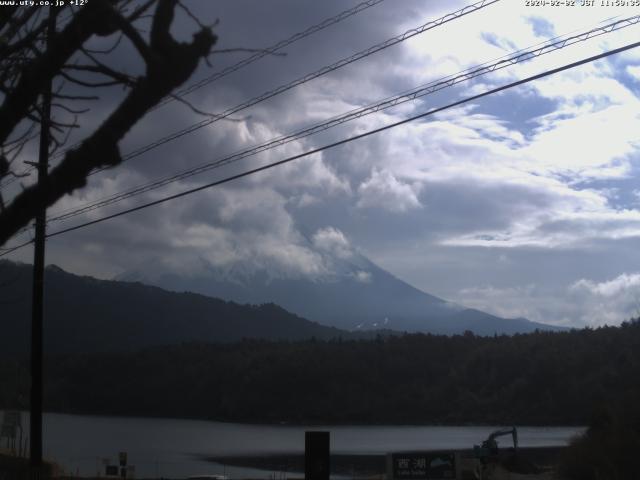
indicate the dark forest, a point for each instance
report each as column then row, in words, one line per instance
column 542, row 378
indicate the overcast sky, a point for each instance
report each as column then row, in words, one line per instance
column 526, row 203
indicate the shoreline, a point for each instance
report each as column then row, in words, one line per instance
column 537, row 460
column 310, row 424
column 365, row 464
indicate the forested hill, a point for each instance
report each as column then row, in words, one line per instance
column 538, row 378
column 83, row 314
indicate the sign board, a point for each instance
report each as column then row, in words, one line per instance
column 423, row 466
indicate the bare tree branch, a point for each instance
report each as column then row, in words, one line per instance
column 88, row 21
column 107, row 50
column 168, row 65
column 88, row 84
column 198, row 111
column 249, row 50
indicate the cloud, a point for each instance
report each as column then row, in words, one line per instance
column 248, row 227
column 383, row 190
column 305, row 200
column 241, row 228
column 620, row 285
column 523, row 176
column 584, row 303
column 363, row 277
column 508, row 302
column 634, row 71
column 332, row 241
column 477, row 152
column 608, row 302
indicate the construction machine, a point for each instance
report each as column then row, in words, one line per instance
column 489, row 454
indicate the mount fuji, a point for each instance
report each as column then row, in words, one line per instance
column 352, row 293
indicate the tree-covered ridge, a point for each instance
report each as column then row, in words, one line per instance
column 538, row 378
column 84, row 314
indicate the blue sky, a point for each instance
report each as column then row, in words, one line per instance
column 523, row 204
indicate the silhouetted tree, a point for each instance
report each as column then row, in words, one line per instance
column 410, row 379
column 28, row 63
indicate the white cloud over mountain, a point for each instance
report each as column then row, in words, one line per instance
column 583, row 303
column 548, row 170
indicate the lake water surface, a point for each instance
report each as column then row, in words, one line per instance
column 174, row 448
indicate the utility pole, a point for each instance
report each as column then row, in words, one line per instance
column 37, row 303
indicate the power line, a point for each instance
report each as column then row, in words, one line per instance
column 340, row 142
column 273, row 48
column 7, row 251
column 437, row 85
column 249, row 60
column 306, row 78
column 351, row 139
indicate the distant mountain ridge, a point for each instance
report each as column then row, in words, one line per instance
column 355, row 294
column 84, row 314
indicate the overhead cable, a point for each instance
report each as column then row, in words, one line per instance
column 430, row 88
column 272, row 49
column 307, row 78
column 338, row 143
column 252, row 58
column 350, row 139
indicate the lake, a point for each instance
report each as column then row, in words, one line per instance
column 175, row 448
